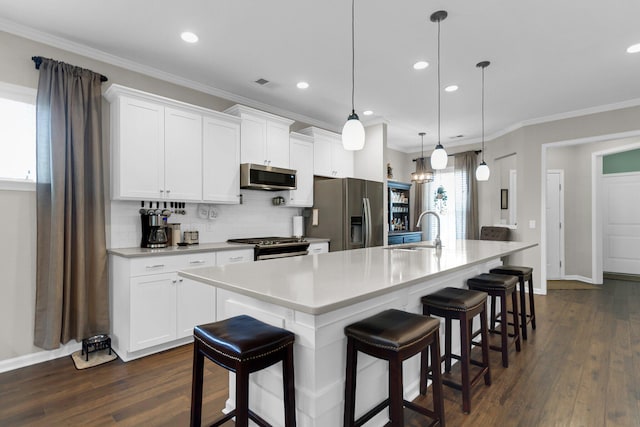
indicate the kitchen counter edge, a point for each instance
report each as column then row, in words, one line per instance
column 136, row 252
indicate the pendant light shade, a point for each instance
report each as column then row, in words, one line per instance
column 353, row 131
column 439, row 157
column 483, row 172
column 423, row 173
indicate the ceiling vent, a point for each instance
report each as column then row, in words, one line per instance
column 262, row 81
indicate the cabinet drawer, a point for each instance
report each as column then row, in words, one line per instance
column 410, row 238
column 318, row 248
column 234, row 256
column 171, row 263
column 395, row 240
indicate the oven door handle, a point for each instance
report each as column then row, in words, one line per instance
column 281, row 255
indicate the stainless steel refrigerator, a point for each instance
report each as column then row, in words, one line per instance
column 348, row 211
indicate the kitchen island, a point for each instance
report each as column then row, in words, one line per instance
column 317, row 296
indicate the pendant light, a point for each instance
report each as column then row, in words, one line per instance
column 423, row 173
column 439, row 156
column 483, row 172
column 353, row 131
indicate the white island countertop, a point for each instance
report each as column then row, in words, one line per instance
column 318, row 284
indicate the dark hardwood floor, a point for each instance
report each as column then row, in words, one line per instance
column 580, row 368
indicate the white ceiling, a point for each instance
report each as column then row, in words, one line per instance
column 548, row 58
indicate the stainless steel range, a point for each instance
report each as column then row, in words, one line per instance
column 275, row 247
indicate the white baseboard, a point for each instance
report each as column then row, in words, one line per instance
column 39, row 357
column 579, row 278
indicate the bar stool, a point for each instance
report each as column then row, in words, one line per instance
column 394, row 335
column 502, row 286
column 464, row 305
column 243, row 345
column 524, row 274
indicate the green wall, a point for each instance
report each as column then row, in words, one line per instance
column 628, row 161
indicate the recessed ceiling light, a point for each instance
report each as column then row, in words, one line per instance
column 634, row 48
column 367, row 113
column 302, row 85
column 189, row 37
column 451, row 88
column 420, row 65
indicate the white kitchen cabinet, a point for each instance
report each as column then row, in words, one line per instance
column 318, row 248
column 329, row 158
column 195, row 305
column 301, row 155
column 153, row 308
column 234, row 256
column 153, row 311
column 182, row 154
column 137, row 156
column 164, row 149
column 221, row 159
column 264, row 137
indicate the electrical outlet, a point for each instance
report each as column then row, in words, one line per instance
column 213, row 213
column 203, row 211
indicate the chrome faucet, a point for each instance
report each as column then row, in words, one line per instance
column 438, row 243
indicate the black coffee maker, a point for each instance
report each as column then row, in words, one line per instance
column 154, row 228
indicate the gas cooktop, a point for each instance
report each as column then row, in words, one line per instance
column 267, row 241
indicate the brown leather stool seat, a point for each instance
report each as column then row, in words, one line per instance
column 395, row 335
column 243, row 345
column 464, row 305
column 500, row 285
column 524, row 274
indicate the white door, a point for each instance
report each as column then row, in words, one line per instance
column 183, row 155
column 302, row 162
column 555, row 226
column 621, row 222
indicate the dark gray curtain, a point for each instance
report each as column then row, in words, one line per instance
column 72, row 294
column 467, row 221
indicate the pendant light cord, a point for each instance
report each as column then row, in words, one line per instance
column 483, row 114
column 353, row 55
column 438, row 81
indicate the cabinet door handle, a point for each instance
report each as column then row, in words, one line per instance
column 155, row 266
column 197, row 261
column 235, row 258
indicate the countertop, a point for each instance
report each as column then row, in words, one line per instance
column 136, row 252
column 321, row 283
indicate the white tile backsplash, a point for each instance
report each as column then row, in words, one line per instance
column 255, row 217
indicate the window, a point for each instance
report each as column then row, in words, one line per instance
column 447, row 195
column 17, row 135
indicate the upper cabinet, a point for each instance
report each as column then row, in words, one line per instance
column 264, row 137
column 329, row 158
column 163, row 149
column 221, row 159
column 301, row 155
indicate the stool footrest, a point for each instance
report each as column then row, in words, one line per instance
column 372, row 413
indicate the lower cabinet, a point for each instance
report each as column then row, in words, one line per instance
column 409, row 237
column 318, row 248
column 153, row 308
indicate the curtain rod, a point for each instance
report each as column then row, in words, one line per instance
column 452, row 155
column 38, row 61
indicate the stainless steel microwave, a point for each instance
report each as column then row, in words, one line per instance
column 260, row 177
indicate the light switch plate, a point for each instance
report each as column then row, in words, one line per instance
column 314, row 217
column 532, row 224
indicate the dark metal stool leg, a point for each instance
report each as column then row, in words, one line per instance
column 436, row 384
column 504, row 331
column 465, row 362
column 516, row 325
column 395, row 393
column 196, row 386
column 484, row 333
column 350, row 386
column 523, row 308
column 242, row 397
column 532, row 307
column 289, row 389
